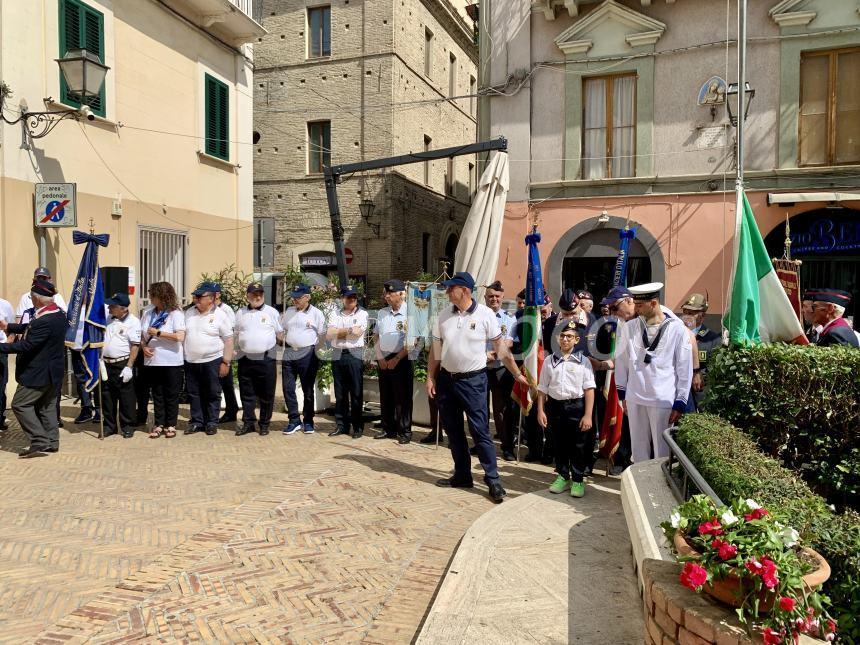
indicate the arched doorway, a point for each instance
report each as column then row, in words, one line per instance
column 827, row 241
column 584, row 257
column 450, row 252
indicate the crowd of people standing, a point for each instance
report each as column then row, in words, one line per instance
column 658, row 360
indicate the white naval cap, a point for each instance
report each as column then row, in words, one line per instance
column 646, row 291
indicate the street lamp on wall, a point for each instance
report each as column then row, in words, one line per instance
column 84, row 75
column 732, row 101
column 366, row 207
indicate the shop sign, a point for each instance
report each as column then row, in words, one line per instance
column 827, row 236
column 317, row 260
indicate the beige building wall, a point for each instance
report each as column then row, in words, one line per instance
column 371, row 89
column 146, row 154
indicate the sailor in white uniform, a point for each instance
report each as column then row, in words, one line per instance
column 653, row 371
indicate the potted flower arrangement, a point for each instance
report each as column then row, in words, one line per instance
column 746, row 558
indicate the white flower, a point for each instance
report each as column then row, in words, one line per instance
column 789, row 536
column 675, row 518
column 752, row 504
column 728, row 518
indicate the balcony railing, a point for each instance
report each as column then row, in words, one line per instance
column 251, row 8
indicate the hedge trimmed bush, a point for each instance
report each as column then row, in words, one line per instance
column 736, row 468
column 801, row 405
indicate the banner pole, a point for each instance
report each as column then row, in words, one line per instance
column 519, row 434
column 100, row 411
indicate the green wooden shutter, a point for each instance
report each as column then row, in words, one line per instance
column 81, row 27
column 217, row 118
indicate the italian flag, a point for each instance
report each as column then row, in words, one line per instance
column 530, row 327
column 759, row 310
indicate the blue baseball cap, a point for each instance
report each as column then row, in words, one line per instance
column 460, row 279
column 217, row 287
column 348, row 290
column 118, row 298
column 300, row 290
column 615, row 294
column 204, row 287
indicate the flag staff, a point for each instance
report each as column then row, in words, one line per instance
column 742, row 98
column 99, row 408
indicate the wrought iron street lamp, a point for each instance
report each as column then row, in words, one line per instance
column 84, row 75
column 366, row 207
column 732, row 101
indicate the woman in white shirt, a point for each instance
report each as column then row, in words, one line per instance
column 162, row 334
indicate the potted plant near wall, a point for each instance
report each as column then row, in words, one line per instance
column 750, row 560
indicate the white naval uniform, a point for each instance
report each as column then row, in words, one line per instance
column 120, row 335
column 652, row 390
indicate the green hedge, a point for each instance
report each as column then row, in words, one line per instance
column 801, row 405
column 735, row 468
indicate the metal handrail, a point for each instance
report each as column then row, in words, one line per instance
column 690, row 473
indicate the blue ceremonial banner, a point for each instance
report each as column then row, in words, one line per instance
column 534, row 280
column 620, row 277
column 86, row 313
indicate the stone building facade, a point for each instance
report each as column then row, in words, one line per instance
column 356, row 80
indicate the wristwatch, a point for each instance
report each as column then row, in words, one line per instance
column 158, row 333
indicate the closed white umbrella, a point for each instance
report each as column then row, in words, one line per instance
column 478, row 248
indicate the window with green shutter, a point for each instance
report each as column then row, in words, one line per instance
column 217, row 118
column 81, row 27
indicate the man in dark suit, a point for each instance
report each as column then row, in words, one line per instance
column 39, row 370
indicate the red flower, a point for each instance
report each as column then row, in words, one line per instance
column 693, row 576
column 768, row 575
column 725, row 550
column 754, row 567
column 710, row 528
column 831, row 627
column 786, row 603
column 756, row 514
column 771, row 637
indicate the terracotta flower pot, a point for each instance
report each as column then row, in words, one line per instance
column 732, row 589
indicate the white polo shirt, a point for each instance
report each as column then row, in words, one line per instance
column 302, row 328
column 120, row 335
column 342, row 320
column 168, row 353
column 228, row 310
column 391, row 329
column 7, row 314
column 506, row 324
column 566, row 378
column 464, row 336
column 256, row 332
column 26, row 303
column 205, row 335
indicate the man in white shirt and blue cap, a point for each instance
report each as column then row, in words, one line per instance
column 346, row 334
column 395, row 365
column 653, row 371
column 458, row 361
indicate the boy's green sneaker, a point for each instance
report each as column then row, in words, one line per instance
column 559, row 485
column 577, row 489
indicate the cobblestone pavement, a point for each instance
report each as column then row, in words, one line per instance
column 300, row 538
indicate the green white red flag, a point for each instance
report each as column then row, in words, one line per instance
column 530, row 328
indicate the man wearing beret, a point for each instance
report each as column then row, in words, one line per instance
column 707, row 341
column 39, row 370
column 828, row 307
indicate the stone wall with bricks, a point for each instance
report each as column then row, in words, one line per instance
column 675, row 614
column 374, row 91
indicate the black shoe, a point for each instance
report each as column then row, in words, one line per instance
column 110, row 434
column 52, row 449
column 430, row 438
column 60, row 423
column 338, row 431
column 128, row 435
column 382, row 434
column 246, row 429
column 210, row 430
column 404, row 439
column 97, row 417
column 192, row 429
column 507, row 455
column 357, row 434
column 473, row 450
column 264, row 430
column 227, row 418
column 29, row 453
column 85, row 416
column 4, row 425
column 450, row 482
column 497, row 493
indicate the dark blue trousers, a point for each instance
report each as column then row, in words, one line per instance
column 302, row 364
column 468, row 395
column 4, row 379
column 572, row 446
column 81, row 379
column 257, row 379
column 204, row 392
column 348, row 371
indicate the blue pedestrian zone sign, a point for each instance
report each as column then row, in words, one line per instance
column 56, row 206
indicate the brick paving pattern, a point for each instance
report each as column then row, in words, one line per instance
column 228, row 539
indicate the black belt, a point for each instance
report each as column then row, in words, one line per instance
column 459, row 376
column 113, row 361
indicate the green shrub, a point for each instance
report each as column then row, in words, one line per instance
column 801, row 405
column 735, row 468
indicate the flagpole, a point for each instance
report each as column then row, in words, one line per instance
column 100, row 411
column 742, row 77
